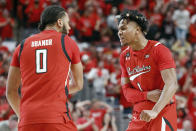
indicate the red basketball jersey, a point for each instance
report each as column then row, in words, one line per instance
column 44, row 60
column 143, row 69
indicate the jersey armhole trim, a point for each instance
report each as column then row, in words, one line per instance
column 157, row 44
column 21, row 48
column 63, row 47
column 67, row 108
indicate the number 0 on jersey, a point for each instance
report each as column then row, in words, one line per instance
column 41, row 61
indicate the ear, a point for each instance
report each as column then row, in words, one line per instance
column 138, row 30
column 59, row 23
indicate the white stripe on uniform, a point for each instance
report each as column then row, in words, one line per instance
column 163, row 126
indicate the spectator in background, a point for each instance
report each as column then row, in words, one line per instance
column 181, row 73
column 154, row 31
column 55, row 2
column 192, row 33
column 187, row 125
column 98, row 111
column 5, row 109
column 4, row 61
column 5, row 68
column 85, row 122
column 113, row 88
column 88, row 63
column 106, row 36
column 89, row 58
column 112, row 23
column 157, row 17
column 188, row 84
column 5, row 5
column 191, row 104
column 109, row 123
column 167, row 30
column 181, row 110
column 99, row 77
column 9, row 125
column 74, row 17
column 190, row 77
column 181, row 49
column 128, row 4
column 2, row 86
column 6, row 26
column 181, row 19
column 193, row 74
column 21, row 15
column 33, row 12
column 193, row 18
column 86, row 24
column 32, row 15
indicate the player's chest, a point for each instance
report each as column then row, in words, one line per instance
column 140, row 63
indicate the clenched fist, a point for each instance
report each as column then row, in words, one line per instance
column 154, row 95
column 147, row 115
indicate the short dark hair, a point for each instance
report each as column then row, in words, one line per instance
column 50, row 15
column 136, row 16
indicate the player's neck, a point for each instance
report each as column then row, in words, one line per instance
column 139, row 44
column 52, row 28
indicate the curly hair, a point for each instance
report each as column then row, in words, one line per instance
column 136, row 16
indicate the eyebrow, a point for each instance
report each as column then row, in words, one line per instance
column 122, row 26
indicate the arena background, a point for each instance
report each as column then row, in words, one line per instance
column 94, row 27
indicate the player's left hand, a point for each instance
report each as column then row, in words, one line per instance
column 147, row 115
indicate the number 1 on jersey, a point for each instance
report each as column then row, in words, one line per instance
column 41, row 61
column 138, row 84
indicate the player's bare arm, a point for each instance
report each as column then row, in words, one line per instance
column 13, row 83
column 77, row 72
column 151, row 95
column 169, row 89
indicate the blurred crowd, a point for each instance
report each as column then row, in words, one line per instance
column 101, row 105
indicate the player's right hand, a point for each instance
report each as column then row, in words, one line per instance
column 154, row 95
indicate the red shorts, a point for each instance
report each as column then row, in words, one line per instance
column 69, row 126
column 165, row 121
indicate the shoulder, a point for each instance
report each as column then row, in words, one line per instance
column 30, row 38
column 34, row 36
column 70, row 40
column 157, row 45
column 124, row 52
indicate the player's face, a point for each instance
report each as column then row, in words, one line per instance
column 126, row 32
column 66, row 27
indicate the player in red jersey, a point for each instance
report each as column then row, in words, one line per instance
column 43, row 62
column 148, row 76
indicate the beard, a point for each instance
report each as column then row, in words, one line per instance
column 64, row 30
column 124, row 44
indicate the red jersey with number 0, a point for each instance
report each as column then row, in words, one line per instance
column 45, row 64
column 143, row 69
